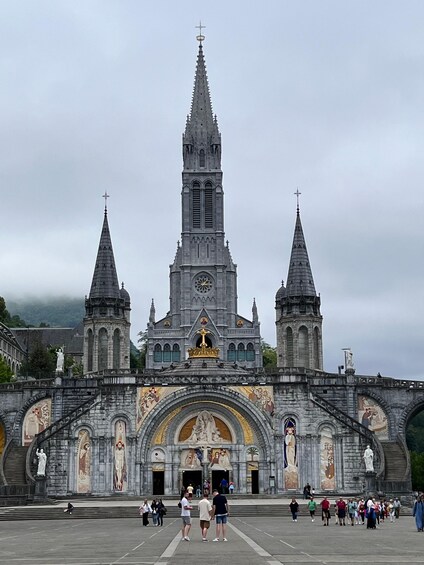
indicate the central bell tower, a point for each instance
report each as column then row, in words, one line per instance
column 203, row 276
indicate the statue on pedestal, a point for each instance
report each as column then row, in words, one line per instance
column 369, row 459
column 60, row 360
column 42, row 461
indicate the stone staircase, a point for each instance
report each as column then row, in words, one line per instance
column 395, row 461
column 14, row 465
column 117, row 512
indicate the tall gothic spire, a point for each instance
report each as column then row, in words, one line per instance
column 105, row 279
column 299, row 279
column 201, row 139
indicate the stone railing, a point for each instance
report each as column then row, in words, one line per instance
column 53, row 429
column 342, row 417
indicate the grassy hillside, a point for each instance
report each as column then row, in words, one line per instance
column 53, row 312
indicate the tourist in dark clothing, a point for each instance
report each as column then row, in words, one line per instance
column 160, row 506
column 294, row 509
column 220, row 512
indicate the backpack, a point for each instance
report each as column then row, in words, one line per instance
column 179, row 505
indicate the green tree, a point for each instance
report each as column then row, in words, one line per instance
column 6, row 374
column 269, row 355
column 7, row 319
column 41, row 363
column 417, row 470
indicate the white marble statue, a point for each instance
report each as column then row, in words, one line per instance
column 369, row 459
column 42, row 460
column 60, row 360
column 349, row 359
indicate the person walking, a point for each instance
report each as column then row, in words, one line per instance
column 352, row 508
column 153, row 506
column 418, row 513
column 224, row 485
column 186, row 517
column 220, row 513
column 312, row 506
column 144, row 510
column 294, row 509
column 190, row 490
column 341, row 511
column 205, row 513
column 396, row 506
column 325, row 511
column 361, row 511
column 231, row 487
column 161, row 508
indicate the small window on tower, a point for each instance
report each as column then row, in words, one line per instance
column 202, row 159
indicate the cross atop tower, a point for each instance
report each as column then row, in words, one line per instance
column 200, row 37
column 297, row 193
column 105, row 196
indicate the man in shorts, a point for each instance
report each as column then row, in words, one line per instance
column 185, row 516
column 220, row 511
column 205, row 511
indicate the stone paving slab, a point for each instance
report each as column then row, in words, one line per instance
column 251, row 541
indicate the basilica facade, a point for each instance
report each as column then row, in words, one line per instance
column 204, row 408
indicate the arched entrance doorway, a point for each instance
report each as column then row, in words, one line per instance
column 206, row 437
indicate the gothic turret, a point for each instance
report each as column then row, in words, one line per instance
column 203, row 276
column 107, row 313
column 298, row 316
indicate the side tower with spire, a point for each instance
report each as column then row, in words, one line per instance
column 298, row 316
column 203, row 276
column 107, row 313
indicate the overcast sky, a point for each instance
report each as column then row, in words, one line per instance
column 327, row 96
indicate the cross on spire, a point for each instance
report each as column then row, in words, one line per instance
column 105, row 196
column 297, row 193
column 200, row 37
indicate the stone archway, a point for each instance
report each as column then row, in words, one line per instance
column 203, row 432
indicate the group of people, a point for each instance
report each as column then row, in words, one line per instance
column 358, row 511
column 216, row 510
column 156, row 509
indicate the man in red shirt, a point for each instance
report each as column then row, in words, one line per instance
column 341, row 511
column 325, row 507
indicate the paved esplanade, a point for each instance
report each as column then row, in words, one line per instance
column 261, row 541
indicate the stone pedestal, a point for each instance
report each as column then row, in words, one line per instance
column 370, row 482
column 40, row 489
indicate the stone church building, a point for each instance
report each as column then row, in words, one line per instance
column 204, row 408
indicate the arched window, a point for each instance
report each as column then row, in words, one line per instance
column 116, row 349
column 250, row 354
column 176, row 353
column 167, row 353
column 316, row 363
column 196, row 205
column 102, row 357
column 208, row 205
column 303, row 347
column 241, row 352
column 289, row 348
column 231, row 353
column 157, row 353
column 202, row 159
